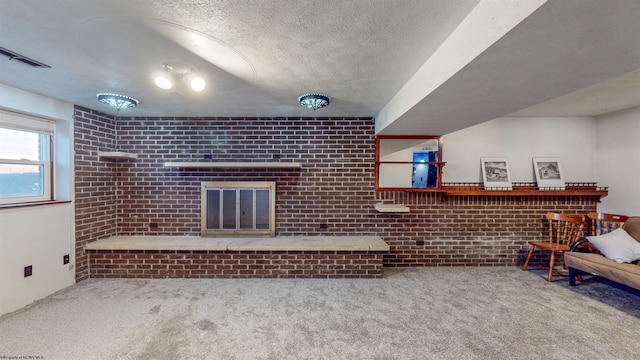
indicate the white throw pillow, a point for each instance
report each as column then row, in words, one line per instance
column 617, row 245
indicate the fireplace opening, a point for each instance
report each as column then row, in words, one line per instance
column 238, row 208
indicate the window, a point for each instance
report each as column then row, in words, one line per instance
column 238, row 208
column 25, row 158
column 408, row 163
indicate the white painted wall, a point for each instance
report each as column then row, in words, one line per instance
column 489, row 21
column 520, row 139
column 39, row 235
column 618, row 161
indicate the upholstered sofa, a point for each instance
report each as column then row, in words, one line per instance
column 620, row 264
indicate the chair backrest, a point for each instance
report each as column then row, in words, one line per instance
column 565, row 229
column 602, row 223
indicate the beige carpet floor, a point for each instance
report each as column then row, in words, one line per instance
column 421, row 313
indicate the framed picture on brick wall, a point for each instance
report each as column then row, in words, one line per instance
column 495, row 173
column 548, row 173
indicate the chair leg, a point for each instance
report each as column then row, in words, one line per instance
column 529, row 255
column 551, row 263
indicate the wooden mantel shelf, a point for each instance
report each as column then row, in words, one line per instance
column 234, row 165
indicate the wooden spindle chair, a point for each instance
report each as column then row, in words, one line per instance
column 564, row 230
column 603, row 223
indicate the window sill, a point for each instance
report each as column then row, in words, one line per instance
column 35, row 203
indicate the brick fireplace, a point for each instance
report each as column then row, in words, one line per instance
column 332, row 194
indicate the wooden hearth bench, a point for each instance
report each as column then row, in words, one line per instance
column 206, row 257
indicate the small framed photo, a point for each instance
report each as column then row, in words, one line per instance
column 495, row 173
column 548, row 173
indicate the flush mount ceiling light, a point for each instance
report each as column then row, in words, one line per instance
column 313, row 101
column 117, row 101
column 171, row 75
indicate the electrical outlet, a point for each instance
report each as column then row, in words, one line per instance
column 324, row 226
column 420, row 242
column 65, row 259
column 28, row 271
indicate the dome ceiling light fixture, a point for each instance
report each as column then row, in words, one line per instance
column 171, row 75
column 117, row 101
column 313, row 101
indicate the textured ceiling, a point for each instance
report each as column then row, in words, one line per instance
column 359, row 53
column 259, row 56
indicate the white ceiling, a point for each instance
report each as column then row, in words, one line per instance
column 567, row 58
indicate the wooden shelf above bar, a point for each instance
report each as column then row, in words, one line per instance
column 234, row 165
column 524, row 189
column 526, row 193
column 117, row 155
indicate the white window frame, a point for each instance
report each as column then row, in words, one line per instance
column 239, row 185
column 46, row 129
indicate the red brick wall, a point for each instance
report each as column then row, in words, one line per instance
column 470, row 230
column 252, row 264
column 95, row 182
column 334, row 187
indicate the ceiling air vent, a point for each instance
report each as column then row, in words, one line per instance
column 23, row 59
